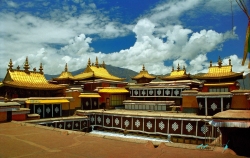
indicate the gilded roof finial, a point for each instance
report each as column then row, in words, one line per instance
column 229, row 61
column 96, row 62
column 18, row 67
column 34, row 69
column 41, row 68
column 66, row 68
column 103, row 65
column 143, row 67
column 178, row 67
column 26, row 65
column 211, row 63
column 89, row 62
column 172, row 68
column 10, row 65
column 219, row 62
column 184, row 68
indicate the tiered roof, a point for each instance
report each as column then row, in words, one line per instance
column 28, row 79
column 143, row 74
column 220, row 72
column 96, row 71
column 65, row 75
column 177, row 74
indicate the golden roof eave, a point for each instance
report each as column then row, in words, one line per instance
column 218, row 75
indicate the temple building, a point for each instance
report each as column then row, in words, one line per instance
column 177, row 75
column 65, row 78
column 160, row 96
column 215, row 95
column 25, row 83
column 94, row 88
column 33, row 91
column 143, row 76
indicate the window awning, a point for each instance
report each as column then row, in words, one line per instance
column 113, row 90
column 46, row 101
column 89, row 95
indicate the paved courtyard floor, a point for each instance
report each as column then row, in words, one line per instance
column 24, row 140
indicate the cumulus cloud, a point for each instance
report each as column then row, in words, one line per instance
column 61, row 37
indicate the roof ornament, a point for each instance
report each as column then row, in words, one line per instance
column 10, row 65
column 219, row 62
column 26, row 65
column 66, row 68
column 18, row 67
column 143, row 67
column 229, row 61
column 172, row 68
column 96, row 62
column 34, row 69
column 89, row 62
column 41, row 68
column 103, row 65
column 184, row 69
column 211, row 63
column 178, row 67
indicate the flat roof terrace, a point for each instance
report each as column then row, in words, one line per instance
column 20, row 139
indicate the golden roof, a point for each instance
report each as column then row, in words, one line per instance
column 219, row 72
column 96, row 71
column 176, row 74
column 46, row 101
column 89, row 95
column 143, row 74
column 65, row 74
column 113, row 90
column 27, row 79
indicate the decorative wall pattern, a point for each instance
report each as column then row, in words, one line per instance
column 195, row 128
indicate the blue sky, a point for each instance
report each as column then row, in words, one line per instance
column 128, row 34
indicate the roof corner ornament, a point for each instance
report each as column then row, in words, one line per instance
column 143, row 67
column 178, row 67
column 66, row 67
column 219, row 62
column 18, row 67
column 34, row 69
column 10, row 65
column 184, row 69
column 103, row 65
column 41, row 68
column 96, row 62
column 172, row 68
column 26, row 65
column 211, row 63
column 229, row 61
column 89, row 62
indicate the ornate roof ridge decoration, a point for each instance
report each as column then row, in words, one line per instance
column 27, row 79
column 177, row 74
column 65, row 74
column 220, row 71
column 143, row 74
column 96, row 71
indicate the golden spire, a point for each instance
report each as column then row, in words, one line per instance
column 18, row 67
column 26, row 65
column 41, row 68
column 96, row 62
column 172, row 68
column 10, row 65
column 211, row 63
column 143, row 67
column 184, row 68
column 89, row 62
column 34, row 69
column 229, row 61
column 103, row 65
column 66, row 68
column 219, row 62
column 178, row 67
